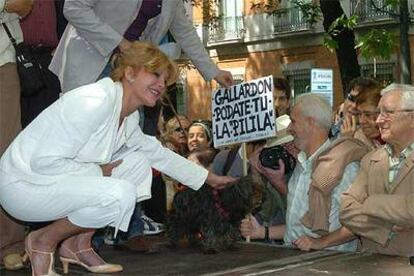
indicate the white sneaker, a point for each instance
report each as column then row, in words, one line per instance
column 151, row 227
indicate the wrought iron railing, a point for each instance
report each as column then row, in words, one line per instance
column 384, row 72
column 290, row 20
column 372, row 10
column 299, row 80
column 227, row 28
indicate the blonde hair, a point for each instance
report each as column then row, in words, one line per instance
column 172, row 123
column 143, row 55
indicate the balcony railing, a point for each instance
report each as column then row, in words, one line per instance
column 368, row 12
column 385, row 72
column 228, row 28
column 290, row 20
column 299, row 80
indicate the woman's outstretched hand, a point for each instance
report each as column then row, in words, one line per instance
column 219, row 182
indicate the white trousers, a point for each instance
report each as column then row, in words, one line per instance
column 87, row 201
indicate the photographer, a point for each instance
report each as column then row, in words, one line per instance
column 278, row 152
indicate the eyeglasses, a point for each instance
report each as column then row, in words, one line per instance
column 351, row 98
column 387, row 113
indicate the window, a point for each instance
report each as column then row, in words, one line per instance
column 299, row 81
column 230, row 22
column 290, row 19
column 385, row 72
column 366, row 10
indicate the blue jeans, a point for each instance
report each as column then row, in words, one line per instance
column 136, row 225
column 135, row 229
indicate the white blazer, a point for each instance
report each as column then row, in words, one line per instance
column 79, row 132
column 96, row 27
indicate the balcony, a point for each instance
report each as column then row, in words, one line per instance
column 289, row 20
column 227, row 30
column 368, row 13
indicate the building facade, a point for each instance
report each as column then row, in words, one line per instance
column 253, row 44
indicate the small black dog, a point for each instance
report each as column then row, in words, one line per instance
column 211, row 218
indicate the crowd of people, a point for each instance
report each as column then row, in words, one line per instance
column 90, row 159
column 353, row 183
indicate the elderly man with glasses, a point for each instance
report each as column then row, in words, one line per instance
column 379, row 205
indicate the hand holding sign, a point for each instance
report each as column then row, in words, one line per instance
column 225, row 78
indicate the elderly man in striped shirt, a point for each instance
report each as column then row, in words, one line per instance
column 323, row 172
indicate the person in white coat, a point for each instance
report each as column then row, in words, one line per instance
column 84, row 162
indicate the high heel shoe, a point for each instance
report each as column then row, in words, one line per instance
column 103, row 268
column 28, row 255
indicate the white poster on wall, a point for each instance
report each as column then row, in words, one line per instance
column 322, row 83
column 243, row 112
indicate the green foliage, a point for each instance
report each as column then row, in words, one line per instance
column 339, row 25
column 377, row 44
column 342, row 23
column 393, row 3
column 311, row 12
column 374, row 44
column 330, row 43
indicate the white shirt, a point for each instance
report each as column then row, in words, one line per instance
column 7, row 53
column 298, row 200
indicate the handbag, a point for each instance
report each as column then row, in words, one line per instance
column 29, row 70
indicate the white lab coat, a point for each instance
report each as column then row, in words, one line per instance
column 68, row 141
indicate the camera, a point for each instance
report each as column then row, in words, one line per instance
column 269, row 158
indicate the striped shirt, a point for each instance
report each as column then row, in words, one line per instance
column 298, row 201
column 39, row 27
column 395, row 163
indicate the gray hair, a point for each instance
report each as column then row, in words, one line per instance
column 316, row 107
column 406, row 91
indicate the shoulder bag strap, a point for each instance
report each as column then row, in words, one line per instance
column 13, row 41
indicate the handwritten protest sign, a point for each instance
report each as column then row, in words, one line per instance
column 243, row 112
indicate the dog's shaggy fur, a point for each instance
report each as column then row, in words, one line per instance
column 211, row 218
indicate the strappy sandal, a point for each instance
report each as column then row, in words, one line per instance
column 74, row 259
column 28, row 255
